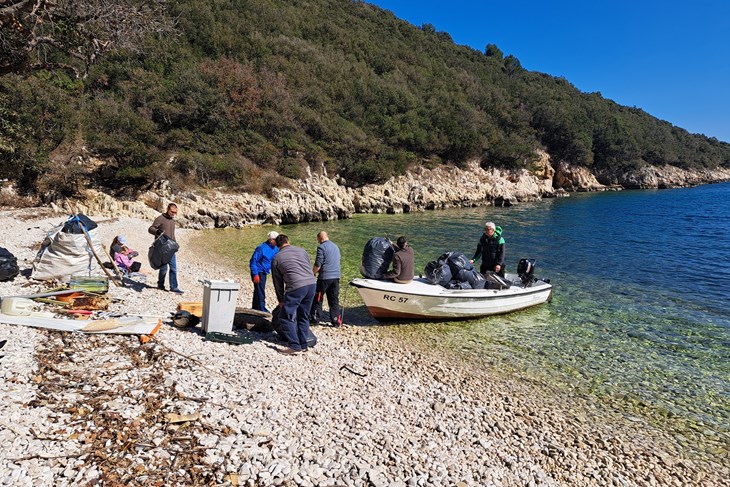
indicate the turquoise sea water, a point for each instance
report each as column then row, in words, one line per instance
column 639, row 319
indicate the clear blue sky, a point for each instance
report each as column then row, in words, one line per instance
column 670, row 58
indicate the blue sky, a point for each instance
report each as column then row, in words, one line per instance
column 670, row 58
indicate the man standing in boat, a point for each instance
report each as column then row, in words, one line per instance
column 403, row 262
column 491, row 250
column 327, row 269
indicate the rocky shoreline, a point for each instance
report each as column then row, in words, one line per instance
column 362, row 408
column 322, row 198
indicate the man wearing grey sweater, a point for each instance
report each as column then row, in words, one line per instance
column 295, row 286
column 327, row 269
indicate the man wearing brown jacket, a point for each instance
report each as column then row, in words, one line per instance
column 165, row 224
column 403, row 262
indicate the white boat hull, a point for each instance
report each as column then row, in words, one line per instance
column 422, row 300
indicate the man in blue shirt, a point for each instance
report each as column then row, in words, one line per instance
column 260, row 265
column 327, row 269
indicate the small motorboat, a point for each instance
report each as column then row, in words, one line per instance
column 422, row 300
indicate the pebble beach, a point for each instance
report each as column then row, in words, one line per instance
column 361, row 408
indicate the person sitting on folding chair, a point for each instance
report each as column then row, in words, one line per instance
column 123, row 260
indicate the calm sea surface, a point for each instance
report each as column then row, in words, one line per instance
column 640, row 318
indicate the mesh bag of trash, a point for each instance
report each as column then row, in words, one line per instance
column 457, row 262
column 474, row 278
column 376, row 258
column 161, row 251
column 438, row 272
column 8, row 265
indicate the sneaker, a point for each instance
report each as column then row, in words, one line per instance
column 289, row 351
column 177, row 291
column 161, row 288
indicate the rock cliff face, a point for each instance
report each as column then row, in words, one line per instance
column 447, row 187
column 663, row 177
column 576, row 178
column 320, row 198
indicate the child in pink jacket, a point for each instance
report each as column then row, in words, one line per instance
column 123, row 259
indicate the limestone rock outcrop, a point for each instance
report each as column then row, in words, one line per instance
column 448, row 187
column 576, row 178
column 663, row 177
column 320, row 198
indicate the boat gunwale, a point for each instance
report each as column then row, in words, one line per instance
column 462, row 293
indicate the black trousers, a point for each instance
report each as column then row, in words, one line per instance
column 484, row 268
column 331, row 289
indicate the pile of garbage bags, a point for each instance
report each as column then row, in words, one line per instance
column 451, row 270
column 454, row 271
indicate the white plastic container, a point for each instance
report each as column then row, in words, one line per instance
column 219, row 306
column 17, row 306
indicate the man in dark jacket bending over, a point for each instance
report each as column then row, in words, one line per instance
column 295, row 285
column 491, row 250
column 403, row 263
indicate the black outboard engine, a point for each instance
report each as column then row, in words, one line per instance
column 525, row 270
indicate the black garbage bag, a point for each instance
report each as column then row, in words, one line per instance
column 376, row 258
column 8, row 265
column 276, row 324
column 429, row 271
column 77, row 223
column 161, row 251
column 458, row 261
column 471, row 276
column 438, row 273
column 458, row 285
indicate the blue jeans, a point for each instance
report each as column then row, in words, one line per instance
column 295, row 316
column 259, row 294
column 173, row 274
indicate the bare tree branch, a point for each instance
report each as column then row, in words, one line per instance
column 52, row 33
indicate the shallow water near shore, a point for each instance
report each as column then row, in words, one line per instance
column 639, row 318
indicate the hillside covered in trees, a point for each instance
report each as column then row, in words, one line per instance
column 240, row 93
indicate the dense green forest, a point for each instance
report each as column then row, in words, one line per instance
column 243, row 92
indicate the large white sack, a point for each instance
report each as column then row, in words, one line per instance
column 66, row 254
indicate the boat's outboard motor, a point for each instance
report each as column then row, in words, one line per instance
column 525, row 270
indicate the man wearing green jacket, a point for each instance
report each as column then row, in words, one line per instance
column 491, row 250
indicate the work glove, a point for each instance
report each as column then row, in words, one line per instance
column 256, row 279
